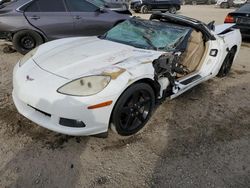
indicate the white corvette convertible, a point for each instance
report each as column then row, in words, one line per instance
column 83, row 86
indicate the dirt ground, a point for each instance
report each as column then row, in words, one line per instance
column 200, row 139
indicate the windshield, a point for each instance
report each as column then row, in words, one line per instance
column 148, row 34
column 245, row 8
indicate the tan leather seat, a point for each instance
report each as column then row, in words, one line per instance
column 194, row 52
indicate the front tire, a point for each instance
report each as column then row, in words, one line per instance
column 24, row 41
column 133, row 109
column 227, row 63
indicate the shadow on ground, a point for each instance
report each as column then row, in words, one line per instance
column 207, row 141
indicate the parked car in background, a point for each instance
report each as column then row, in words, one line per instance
column 30, row 23
column 241, row 17
column 144, row 6
column 113, row 5
column 118, row 4
column 83, row 86
column 230, row 3
column 196, row 2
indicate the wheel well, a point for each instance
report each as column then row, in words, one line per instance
column 151, row 83
column 148, row 81
column 234, row 48
column 146, row 5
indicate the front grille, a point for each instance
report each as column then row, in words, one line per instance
column 44, row 113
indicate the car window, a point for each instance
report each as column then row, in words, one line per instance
column 81, row 6
column 46, row 6
column 245, row 8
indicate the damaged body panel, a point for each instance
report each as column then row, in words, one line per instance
column 116, row 79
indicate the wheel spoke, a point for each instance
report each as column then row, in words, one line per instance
column 140, row 117
column 144, row 102
column 133, row 123
column 129, row 121
column 126, row 110
column 136, row 96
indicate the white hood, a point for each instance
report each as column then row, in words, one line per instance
column 74, row 57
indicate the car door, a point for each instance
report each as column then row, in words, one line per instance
column 50, row 17
column 153, row 4
column 89, row 20
column 162, row 4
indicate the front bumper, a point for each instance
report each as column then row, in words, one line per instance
column 44, row 106
column 93, row 124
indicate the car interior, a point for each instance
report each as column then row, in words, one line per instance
column 194, row 52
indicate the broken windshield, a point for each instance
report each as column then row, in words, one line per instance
column 148, row 34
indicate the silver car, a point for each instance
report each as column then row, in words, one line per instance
column 29, row 23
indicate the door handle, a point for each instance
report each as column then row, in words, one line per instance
column 34, row 17
column 77, row 17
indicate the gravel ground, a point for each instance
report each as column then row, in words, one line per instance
column 200, row 139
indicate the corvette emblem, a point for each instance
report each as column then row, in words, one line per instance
column 28, row 78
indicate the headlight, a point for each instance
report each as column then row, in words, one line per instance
column 85, row 86
column 29, row 55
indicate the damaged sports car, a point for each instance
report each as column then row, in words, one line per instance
column 85, row 85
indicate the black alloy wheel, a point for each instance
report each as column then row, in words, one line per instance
column 133, row 109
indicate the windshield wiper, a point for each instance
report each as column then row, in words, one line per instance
column 150, row 42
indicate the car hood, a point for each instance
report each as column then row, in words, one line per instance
column 74, row 57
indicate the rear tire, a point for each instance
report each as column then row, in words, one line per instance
column 172, row 10
column 144, row 9
column 133, row 109
column 26, row 40
column 227, row 63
